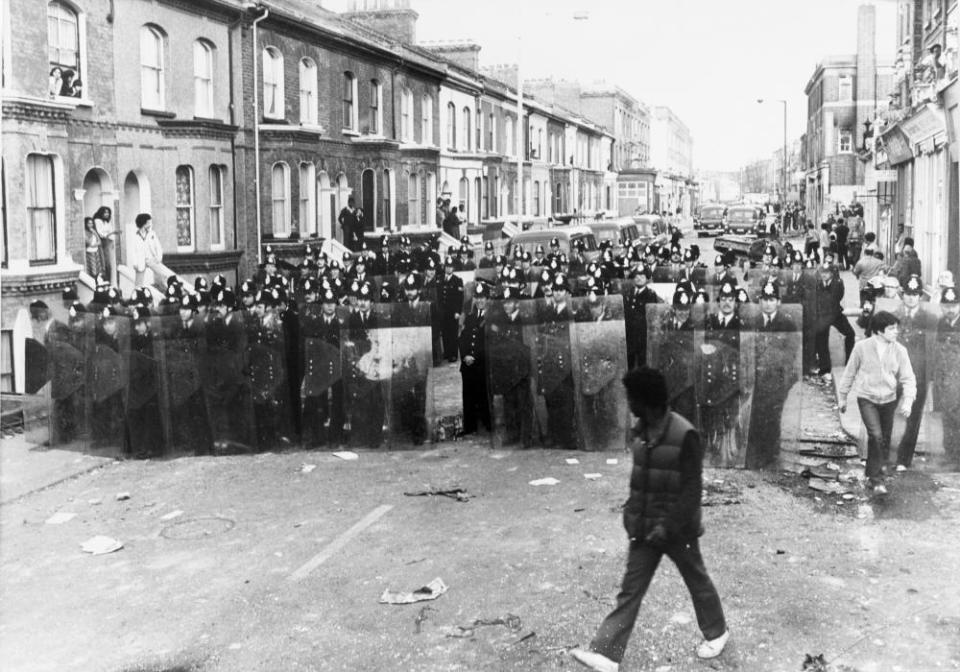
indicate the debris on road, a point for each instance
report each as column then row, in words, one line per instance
column 592, row 477
column 431, row 591
column 550, row 480
column 572, row 460
column 459, row 494
column 346, row 455
column 101, row 545
column 612, row 460
column 511, row 621
column 172, row 515
column 307, row 468
column 719, row 493
column 95, row 501
column 60, row 517
column 123, row 496
column 421, row 617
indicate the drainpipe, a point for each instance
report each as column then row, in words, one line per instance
column 256, row 135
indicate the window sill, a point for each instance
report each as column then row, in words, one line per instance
column 208, row 120
column 267, row 119
column 75, row 102
column 162, row 114
column 350, row 133
column 311, row 128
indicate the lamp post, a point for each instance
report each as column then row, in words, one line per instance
column 783, row 192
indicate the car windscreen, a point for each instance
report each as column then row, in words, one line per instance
column 630, row 232
column 589, row 242
column 712, row 213
column 741, row 216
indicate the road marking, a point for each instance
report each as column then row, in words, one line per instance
column 340, row 542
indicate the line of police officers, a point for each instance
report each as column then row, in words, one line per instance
column 278, row 346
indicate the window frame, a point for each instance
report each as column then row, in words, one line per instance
column 309, row 109
column 190, row 207
column 349, row 110
column 274, row 57
column 467, row 134
column 491, row 132
column 426, row 120
column 285, row 228
column 216, row 210
column 307, row 201
column 375, row 114
column 209, row 50
column 33, row 257
column 81, row 37
column 844, row 133
column 845, row 89
column 413, row 199
column 478, row 131
column 406, row 115
column 158, row 70
column 451, row 125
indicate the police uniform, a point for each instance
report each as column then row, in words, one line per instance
column 449, row 305
column 190, row 429
column 476, row 406
column 366, row 402
column 719, row 382
column 946, row 388
column 555, row 368
column 409, row 384
column 509, row 368
column 635, row 302
column 145, row 434
column 917, row 325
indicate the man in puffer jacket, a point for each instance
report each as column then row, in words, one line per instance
column 662, row 517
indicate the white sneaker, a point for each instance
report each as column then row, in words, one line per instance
column 594, row 660
column 901, row 467
column 880, row 490
column 713, row 647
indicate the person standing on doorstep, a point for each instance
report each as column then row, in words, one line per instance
column 443, row 207
column 351, row 224
column 93, row 253
column 878, row 367
column 828, row 312
column 146, row 252
column 916, row 326
column 451, row 222
column 106, row 231
column 662, row 517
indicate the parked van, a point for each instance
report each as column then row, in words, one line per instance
column 745, row 220
column 618, row 232
column 652, row 229
column 712, row 217
column 565, row 235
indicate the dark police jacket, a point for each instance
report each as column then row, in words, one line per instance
column 665, row 483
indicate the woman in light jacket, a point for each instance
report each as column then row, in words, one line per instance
column 877, row 368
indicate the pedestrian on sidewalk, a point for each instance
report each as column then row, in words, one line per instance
column 878, row 366
column 828, row 312
column 662, row 517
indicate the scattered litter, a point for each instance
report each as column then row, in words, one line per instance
column 60, row 517
column 431, row 591
column 826, row 471
column 592, row 477
column 572, row 460
column 719, row 493
column 172, row 515
column 512, row 622
column 820, row 485
column 550, row 480
column 421, row 617
column 529, row 635
column 346, row 455
column 780, row 551
column 579, row 510
column 95, row 501
column 459, row 494
column 612, row 460
column 497, row 456
column 121, row 496
column 99, row 545
column 307, row 468
column 848, row 496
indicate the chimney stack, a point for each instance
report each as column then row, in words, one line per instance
column 866, row 86
column 393, row 18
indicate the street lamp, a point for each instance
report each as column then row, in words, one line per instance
column 783, row 193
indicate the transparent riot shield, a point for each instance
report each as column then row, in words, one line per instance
column 146, row 401
column 670, row 347
column 321, row 397
column 367, row 369
column 109, row 370
column 775, row 412
column 635, row 303
column 725, row 368
column 69, row 348
column 225, row 387
column 509, row 374
column 599, row 362
column 429, row 293
column 36, row 402
column 946, row 392
column 548, row 329
column 186, row 421
column 664, row 290
column 916, row 440
column 411, row 386
column 269, row 386
column 487, row 274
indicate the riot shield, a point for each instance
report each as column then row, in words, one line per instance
column 322, row 388
column 920, row 435
column 599, row 362
column 430, row 294
column 367, row 369
column 548, row 329
column 724, row 365
column 488, row 274
column 635, row 322
column 775, row 411
column 509, row 381
column 186, row 422
column 69, row 348
column 269, row 388
column 146, row 402
column 670, row 349
column 411, row 398
column 226, row 389
column 109, row 369
column 946, row 392
column 37, row 403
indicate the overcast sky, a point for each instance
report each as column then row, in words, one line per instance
column 708, row 60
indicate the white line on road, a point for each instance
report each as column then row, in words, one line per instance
column 340, row 542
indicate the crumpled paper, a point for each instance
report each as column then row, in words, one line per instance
column 550, row 480
column 100, row 545
column 431, row 591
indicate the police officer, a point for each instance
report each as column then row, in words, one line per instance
column 556, row 370
column 473, row 362
column 188, row 407
column 719, row 378
column 512, row 380
column 409, row 383
column 488, row 260
column 917, row 324
column 450, row 307
column 366, row 404
column 144, row 422
column 635, row 302
column 946, row 388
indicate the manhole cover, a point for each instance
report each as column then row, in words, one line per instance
column 197, row 528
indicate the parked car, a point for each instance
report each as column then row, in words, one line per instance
column 528, row 240
column 652, row 229
column 758, row 246
column 712, row 217
column 745, row 220
column 619, row 232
